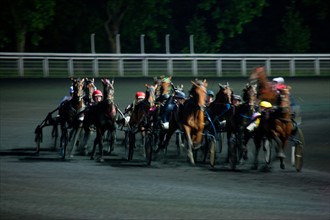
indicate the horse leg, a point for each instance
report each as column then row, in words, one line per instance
column 282, row 163
column 100, row 142
column 232, row 151
column 112, row 140
column 190, row 155
column 96, row 141
column 85, row 142
column 75, row 140
column 257, row 143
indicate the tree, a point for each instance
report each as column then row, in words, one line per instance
column 131, row 18
column 27, row 18
column 295, row 37
column 215, row 21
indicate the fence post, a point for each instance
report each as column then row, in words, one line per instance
column 268, row 67
column 142, row 43
column 20, row 66
column 92, row 43
column 191, row 43
column 292, row 68
column 317, row 66
column 169, row 61
column 70, row 67
column 219, row 67
column 243, row 67
column 145, row 66
column 45, row 67
column 120, row 60
column 96, row 67
column 194, row 67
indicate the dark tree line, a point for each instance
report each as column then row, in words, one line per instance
column 226, row 26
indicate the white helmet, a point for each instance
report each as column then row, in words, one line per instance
column 278, row 80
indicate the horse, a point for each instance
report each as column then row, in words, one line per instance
column 88, row 88
column 237, row 133
column 68, row 111
column 218, row 113
column 103, row 116
column 142, row 110
column 276, row 123
column 190, row 119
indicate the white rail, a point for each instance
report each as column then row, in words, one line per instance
column 206, row 65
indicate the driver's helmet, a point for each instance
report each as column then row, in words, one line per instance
column 237, row 97
column 210, row 93
column 265, row 104
column 97, row 93
column 179, row 94
column 140, row 95
column 71, row 90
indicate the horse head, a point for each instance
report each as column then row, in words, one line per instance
column 224, row 94
column 166, row 85
column 78, row 87
column 151, row 93
column 258, row 74
column 198, row 91
column 264, row 89
column 89, row 88
column 108, row 89
column 249, row 94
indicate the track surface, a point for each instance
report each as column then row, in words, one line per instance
column 44, row 187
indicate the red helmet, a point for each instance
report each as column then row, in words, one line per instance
column 140, row 95
column 97, row 93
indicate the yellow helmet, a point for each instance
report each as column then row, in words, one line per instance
column 265, row 104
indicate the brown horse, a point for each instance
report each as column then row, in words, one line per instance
column 276, row 123
column 190, row 118
column 68, row 111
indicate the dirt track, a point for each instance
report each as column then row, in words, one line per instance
column 44, row 187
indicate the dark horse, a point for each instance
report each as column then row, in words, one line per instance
column 140, row 117
column 190, row 118
column 276, row 123
column 75, row 135
column 238, row 134
column 103, row 116
column 68, row 111
column 218, row 112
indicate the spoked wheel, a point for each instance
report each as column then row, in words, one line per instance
column 297, row 158
column 148, row 147
column 267, row 151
